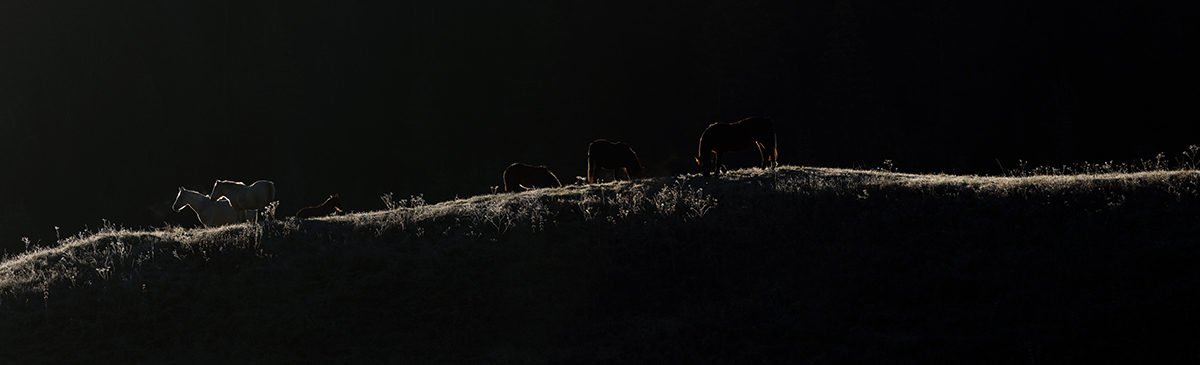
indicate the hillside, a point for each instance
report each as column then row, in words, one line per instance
column 793, row 265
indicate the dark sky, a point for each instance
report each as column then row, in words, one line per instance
column 107, row 107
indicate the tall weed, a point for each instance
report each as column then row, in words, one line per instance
column 1190, row 160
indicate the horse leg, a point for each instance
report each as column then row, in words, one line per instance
column 769, row 151
column 762, row 154
column 719, row 167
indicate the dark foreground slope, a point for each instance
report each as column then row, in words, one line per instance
column 795, row 265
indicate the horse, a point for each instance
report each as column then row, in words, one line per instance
column 333, row 204
column 253, row 197
column 612, row 156
column 529, row 177
column 211, row 214
column 719, row 138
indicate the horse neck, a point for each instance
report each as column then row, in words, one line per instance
column 194, row 200
column 705, row 151
column 333, row 202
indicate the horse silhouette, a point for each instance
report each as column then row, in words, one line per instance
column 612, row 156
column 719, row 138
column 529, row 177
column 333, row 204
column 211, row 213
column 253, row 197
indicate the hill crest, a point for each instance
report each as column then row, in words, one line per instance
column 816, row 263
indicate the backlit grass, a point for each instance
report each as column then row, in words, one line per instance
column 786, row 265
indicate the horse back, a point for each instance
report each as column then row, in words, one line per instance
column 529, row 177
column 264, row 188
column 738, row 136
column 310, row 212
column 612, row 155
column 762, row 129
column 324, row 209
column 314, row 211
column 722, row 137
column 254, row 196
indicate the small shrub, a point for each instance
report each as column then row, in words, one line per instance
column 679, row 197
column 585, row 204
column 412, row 202
column 666, row 200
column 1190, row 159
column 388, row 202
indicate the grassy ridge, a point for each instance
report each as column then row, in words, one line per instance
column 815, row 265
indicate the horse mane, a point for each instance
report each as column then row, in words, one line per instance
column 206, row 196
column 230, row 182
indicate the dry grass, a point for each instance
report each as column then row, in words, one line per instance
column 792, row 264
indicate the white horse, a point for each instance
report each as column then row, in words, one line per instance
column 212, row 214
column 253, row 197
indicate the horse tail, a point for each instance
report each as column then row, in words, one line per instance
column 770, row 151
column 774, row 151
column 774, row 144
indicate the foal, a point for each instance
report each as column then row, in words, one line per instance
column 333, row 204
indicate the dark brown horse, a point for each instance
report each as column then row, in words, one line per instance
column 529, row 177
column 333, row 204
column 612, row 156
column 719, row 138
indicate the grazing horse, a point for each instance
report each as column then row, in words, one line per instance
column 719, row 138
column 333, row 204
column 211, row 214
column 253, row 197
column 529, row 177
column 612, row 156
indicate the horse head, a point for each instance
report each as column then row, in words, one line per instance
column 180, row 202
column 633, row 165
column 183, row 198
column 707, row 163
column 635, row 169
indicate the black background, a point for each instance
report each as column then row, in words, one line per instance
column 107, row 107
